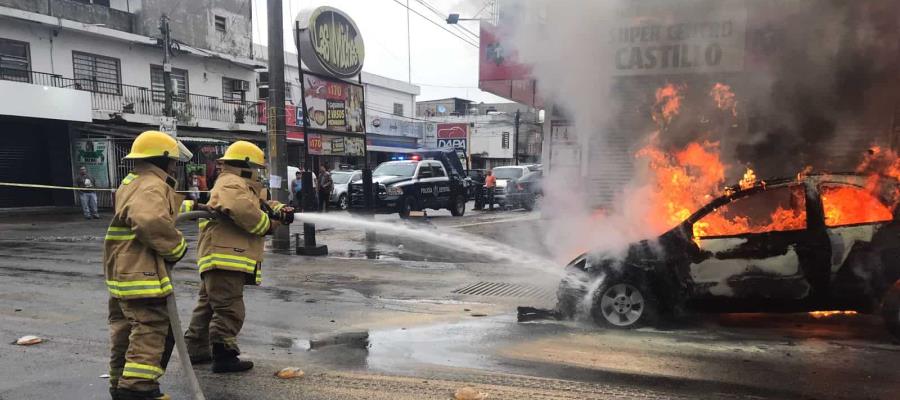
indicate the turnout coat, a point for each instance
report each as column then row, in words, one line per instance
column 236, row 242
column 142, row 237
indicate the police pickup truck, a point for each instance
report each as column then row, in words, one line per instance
column 429, row 179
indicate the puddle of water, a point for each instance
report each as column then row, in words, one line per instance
column 469, row 344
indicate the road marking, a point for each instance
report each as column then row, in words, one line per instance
column 529, row 218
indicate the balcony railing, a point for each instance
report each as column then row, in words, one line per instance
column 130, row 99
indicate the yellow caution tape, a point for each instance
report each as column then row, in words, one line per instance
column 36, row 186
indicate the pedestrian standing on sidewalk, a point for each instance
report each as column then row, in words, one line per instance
column 140, row 246
column 296, row 189
column 326, row 186
column 490, row 183
column 88, row 197
column 230, row 256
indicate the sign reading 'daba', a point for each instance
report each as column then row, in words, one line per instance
column 329, row 42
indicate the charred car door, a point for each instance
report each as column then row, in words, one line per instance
column 863, row 238
column 757, row 246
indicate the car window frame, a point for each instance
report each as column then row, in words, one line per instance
column 717, row 203
column 819, row 186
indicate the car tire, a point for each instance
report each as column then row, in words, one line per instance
column 343, row 202
column 457, row 206
column 405, row 208
column 624, row 302
column 528, row 204
column 890, row 309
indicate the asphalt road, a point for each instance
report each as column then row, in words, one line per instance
column 383, row 321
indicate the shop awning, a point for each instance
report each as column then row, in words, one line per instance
column 390, row 149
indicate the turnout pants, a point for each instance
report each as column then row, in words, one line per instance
column 141, row 343
column 219, row 314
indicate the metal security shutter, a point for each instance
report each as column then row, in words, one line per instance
column 17, row 165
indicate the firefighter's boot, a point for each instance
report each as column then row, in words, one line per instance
column 225, row 360
column 125, row 394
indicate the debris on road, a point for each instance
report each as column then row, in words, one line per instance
column 468, row 393
column 290, row 373
column 478, row 314
column 536, row 314
column 104, row 376
column 28, row 340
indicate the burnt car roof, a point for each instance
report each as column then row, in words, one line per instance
column 735, row 191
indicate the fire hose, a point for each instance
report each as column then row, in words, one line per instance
column 175, row 322
column 172, row 308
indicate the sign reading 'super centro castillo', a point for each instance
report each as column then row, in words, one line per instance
column 330, row 43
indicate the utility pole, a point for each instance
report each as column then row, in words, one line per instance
column 516, row 139
column 167, row 67
column 276, row 140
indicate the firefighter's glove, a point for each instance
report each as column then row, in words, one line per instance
column 287, row 215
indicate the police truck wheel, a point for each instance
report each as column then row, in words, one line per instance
column 458, row 206
column 405, row 208
column 890, row 310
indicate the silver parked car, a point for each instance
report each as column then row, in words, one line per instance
column 342, row 179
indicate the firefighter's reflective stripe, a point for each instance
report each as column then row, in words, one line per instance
column 278, row 207
column 227, row 261
column 186, row 206
column 119, row 233
column 129, row 178
column 177, row 252
column 140, row 288
column 262, row 226
column 259, row 274
column 145, row 371
column 202, row 223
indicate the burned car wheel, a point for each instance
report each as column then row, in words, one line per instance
column 624, row 303
column 890, row 310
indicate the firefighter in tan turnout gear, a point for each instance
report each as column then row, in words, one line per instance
column 140, row 241
column 230, row 255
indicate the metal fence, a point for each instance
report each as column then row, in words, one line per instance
column 130, row 99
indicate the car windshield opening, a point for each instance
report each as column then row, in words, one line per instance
column 395, row 169
column 507, row 173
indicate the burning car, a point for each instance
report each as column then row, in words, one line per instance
column 823, row 241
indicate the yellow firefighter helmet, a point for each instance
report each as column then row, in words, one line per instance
column 245, row 151
column 158, row 144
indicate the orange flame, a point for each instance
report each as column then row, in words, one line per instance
column 749, row 179
column 724, row 98
column 668, row 103
column 830, row 313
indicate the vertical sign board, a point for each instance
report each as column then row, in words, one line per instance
column 454, row 136
column 331, row 46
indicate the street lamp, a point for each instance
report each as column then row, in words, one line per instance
column 454, row 19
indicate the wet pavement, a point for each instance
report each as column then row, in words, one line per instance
column 387, row 320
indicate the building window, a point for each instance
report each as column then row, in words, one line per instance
column 220, row 24
column 180, row 88
column 97, row 73
column 398, row 109
column 15, row 63
column 505, row 140
column 233, row 89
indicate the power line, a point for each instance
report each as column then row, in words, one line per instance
column 466, row 41
column 441, row 15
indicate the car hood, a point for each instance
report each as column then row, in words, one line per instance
column 385, row 179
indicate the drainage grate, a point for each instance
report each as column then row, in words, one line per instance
column 504, row 290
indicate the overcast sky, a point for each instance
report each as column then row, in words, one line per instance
column 442, row 64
